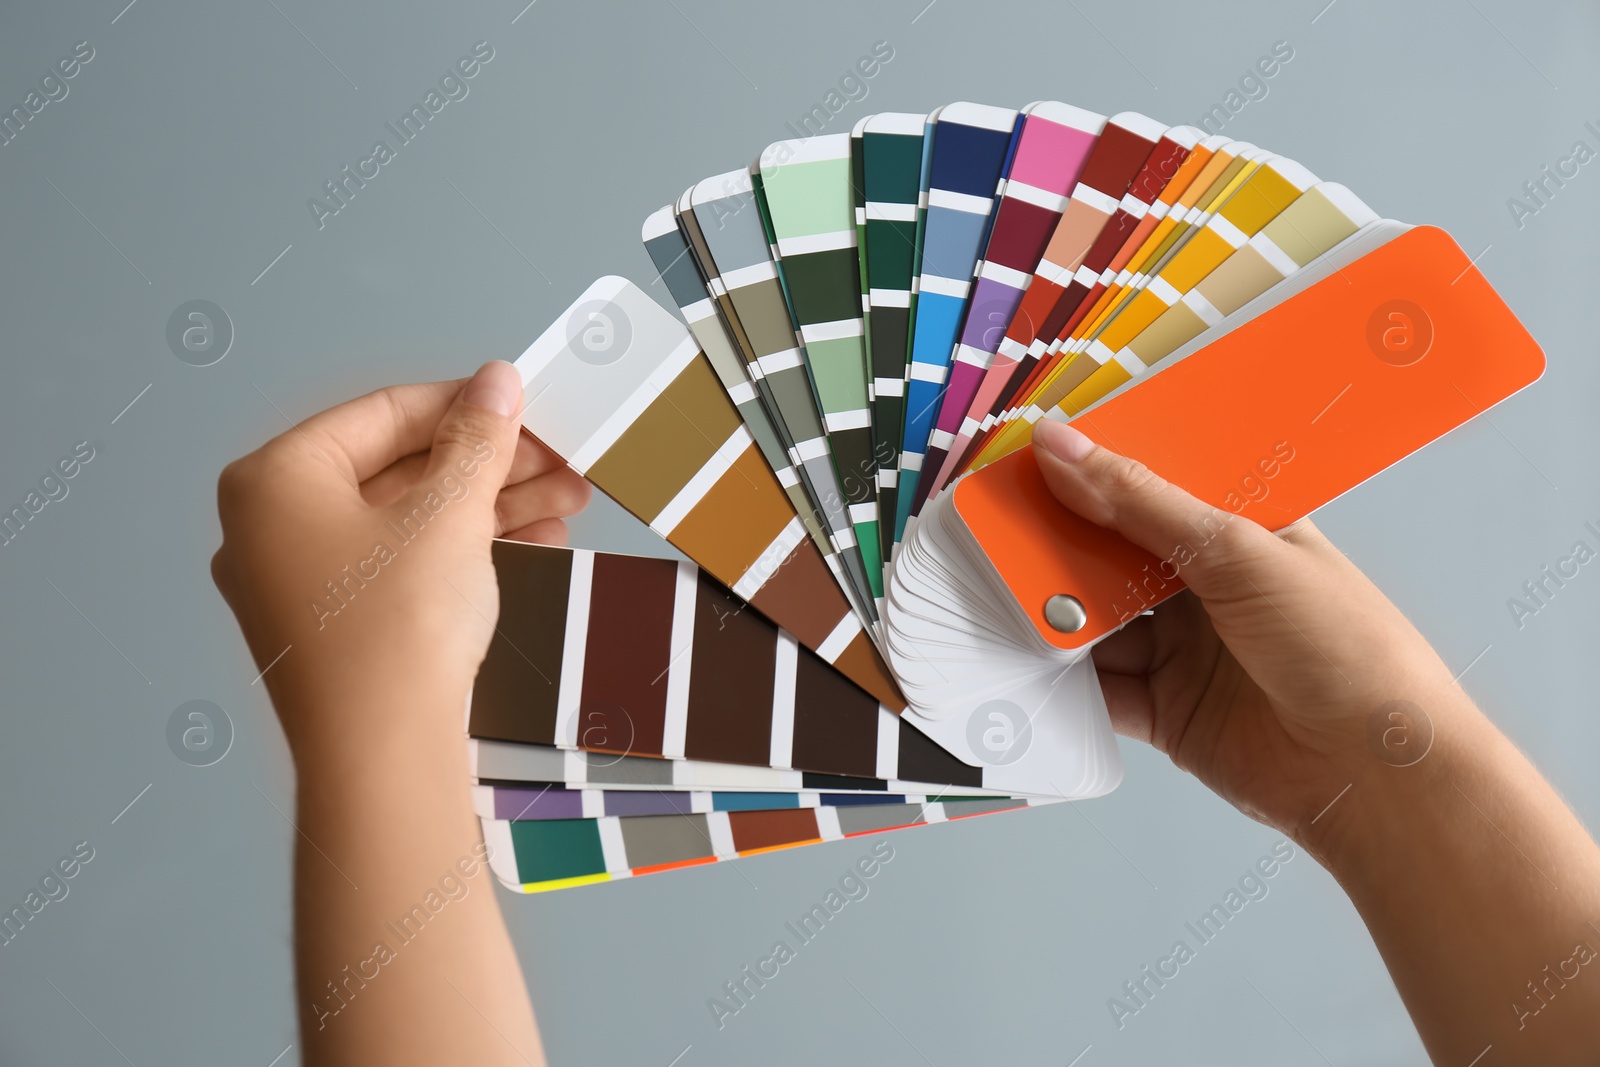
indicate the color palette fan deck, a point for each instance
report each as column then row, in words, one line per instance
column 884, row 619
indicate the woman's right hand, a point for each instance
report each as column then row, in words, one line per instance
column 1263, row 678
column 1274, row 679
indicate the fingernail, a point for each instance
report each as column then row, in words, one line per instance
column 1066, row 443
column 496, row 387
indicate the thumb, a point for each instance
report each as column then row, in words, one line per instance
column 1220, row 555
column 474, row 444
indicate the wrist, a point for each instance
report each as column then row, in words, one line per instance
column 378, row 734
column 401, row 784
column 1400, row 802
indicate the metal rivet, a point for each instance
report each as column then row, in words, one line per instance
column 1065, row 613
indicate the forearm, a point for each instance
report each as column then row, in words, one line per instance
column 402, row 952
column 1482, row 892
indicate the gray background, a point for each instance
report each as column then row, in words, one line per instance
column 192, row 141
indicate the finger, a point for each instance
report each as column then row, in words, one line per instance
column 532, row 459
column 1303, row 532
column 1217, row 552
column 391, row 483
column 475, row 442
column 1312, row 542
column 551, row 496
column 367, row 434
column 1132, row 709
column 1130, row 650
column 543, row 532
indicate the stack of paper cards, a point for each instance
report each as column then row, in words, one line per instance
column 888, row 617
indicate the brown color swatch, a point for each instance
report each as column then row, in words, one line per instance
column 792, row 590
column 835, row 723
column 731, row 673
column 624, row 702
column 861, row 662
column 735, row 522
column 922, row 760
column 770, row 829
column 514, row 698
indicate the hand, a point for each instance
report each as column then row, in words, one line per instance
column 1261, row 677
column 355, row 552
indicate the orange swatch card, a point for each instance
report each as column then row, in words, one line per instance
column 1270, row 421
